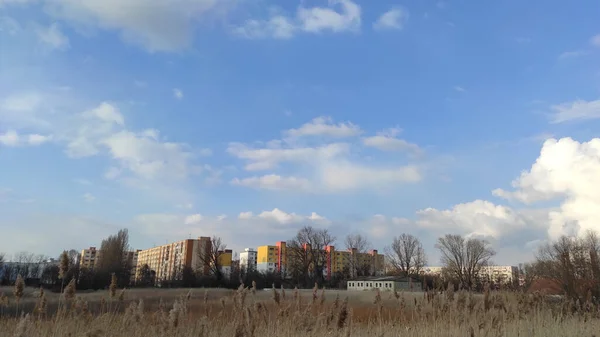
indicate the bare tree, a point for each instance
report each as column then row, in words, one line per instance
column 307, row 254
column 37, row 266
column 209, row 258
column 571, row 263
column 406, row 254
column 356, row 244
column 463, row 259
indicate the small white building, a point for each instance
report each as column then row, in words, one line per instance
column 248, row 259
column 388, row 283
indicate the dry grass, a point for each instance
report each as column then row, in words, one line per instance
column 249, row 312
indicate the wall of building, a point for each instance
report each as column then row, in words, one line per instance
column 248, row 259
column 168, row 261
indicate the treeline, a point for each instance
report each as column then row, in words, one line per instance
column 571, row 264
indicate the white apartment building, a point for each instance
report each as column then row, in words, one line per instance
column 499, row 274
column 248, row 259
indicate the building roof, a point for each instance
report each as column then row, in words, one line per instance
column 386, row 278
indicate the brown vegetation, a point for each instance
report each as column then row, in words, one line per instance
column 248, row 312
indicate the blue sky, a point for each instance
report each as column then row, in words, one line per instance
column 248, row 119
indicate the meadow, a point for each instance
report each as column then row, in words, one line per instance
column 249, row 312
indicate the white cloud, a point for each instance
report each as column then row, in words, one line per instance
column 386, row 141
column 572, row 54
column 318, row 19
column 148, row 158
column 339, row 16
column 53, row 37
column 35, row 139
column 595, row 40
column 278, row 216
column 346, row 176
column 193, row 219
column 245, row 215
column 576, row 110
column 395, row 18
column 90, row 128
column 162, row 26
column 12, row 138
column 274, row 182
column 177, row 93
column 568, row 171
column 459, row 89
column 267, row 158
column 9, row 138
column 278, row 27
column 89, row 197
column 324, row 126
column 477, row 218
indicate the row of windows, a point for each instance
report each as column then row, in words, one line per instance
column 370, row 284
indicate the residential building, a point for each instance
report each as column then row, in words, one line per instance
column 88, row 257
column 347, row 261
column 387, row 283
column 248, row 259
column 225, row 261
column 168, row 261
column 272, row 259
column 497, row 274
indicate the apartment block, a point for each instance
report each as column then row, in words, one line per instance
column 498, row 274
column 88, row 257
column 346, row 260
column 226, row 262
column 272, row 259
column 248, row 259
column 168, row 261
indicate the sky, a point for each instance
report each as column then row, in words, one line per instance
column 248, row 119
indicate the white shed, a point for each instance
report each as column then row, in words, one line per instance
column 390, row 283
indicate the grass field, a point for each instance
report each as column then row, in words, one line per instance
column 274, row 313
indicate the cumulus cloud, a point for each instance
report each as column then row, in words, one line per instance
column 475, row 218
column 339, row 16
column 325, row 166
column 53, row 37
column 324, row 126
column 268, row 158
column 395, row 18
column 277, row 27
column 193, row 219
column 274, row 182
column 567, row 171
column 387, row 141
column 158, row 26
column 13, row 138
column 576, row 110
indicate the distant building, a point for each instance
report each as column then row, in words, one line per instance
column 225, row 262
column 168, row 261
column 88, row 258
column 272, row 259
column 248, row 259
column 386, row 283
column 372, row 263
column 497, row 274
